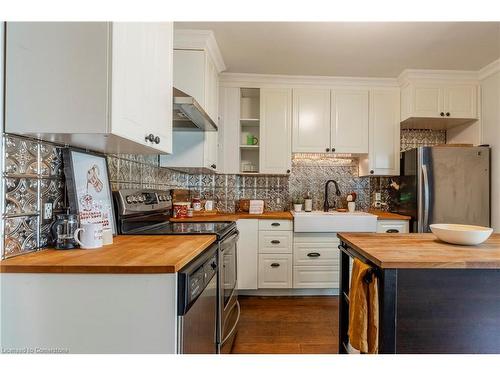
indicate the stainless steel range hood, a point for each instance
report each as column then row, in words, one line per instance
column 189, row 115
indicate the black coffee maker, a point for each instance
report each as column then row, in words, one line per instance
column 63, row 231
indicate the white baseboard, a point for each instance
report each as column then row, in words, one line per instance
column 289, row 292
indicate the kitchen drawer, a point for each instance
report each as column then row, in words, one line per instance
column 275, row 271
column 275, row 225
column 315, row 254
column 392, row 226
column 316, row 277
column 275, row 242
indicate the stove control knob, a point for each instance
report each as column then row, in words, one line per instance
column 128, row 199
column 134, row 198
column 140, row 198
column 161, row 198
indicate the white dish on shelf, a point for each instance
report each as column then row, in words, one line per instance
column 460, row 234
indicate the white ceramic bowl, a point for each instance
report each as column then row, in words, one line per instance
column 460, row 234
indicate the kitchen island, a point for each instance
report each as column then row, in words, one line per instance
column 121, row 298
column 434, row 297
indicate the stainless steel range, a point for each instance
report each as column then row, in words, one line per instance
column 147, row 212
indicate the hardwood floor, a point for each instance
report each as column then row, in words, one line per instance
column 287, row 325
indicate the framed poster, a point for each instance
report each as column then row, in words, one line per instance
column 89, row 190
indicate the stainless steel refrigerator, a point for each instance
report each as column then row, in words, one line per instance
column 445, row 185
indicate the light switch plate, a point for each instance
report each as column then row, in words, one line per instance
column 378, row 196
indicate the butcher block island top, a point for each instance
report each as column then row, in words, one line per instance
column 422, row 250
column 128, row 254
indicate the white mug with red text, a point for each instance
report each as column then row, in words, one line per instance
column 89, row 236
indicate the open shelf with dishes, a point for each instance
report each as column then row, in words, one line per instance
column 249, row 130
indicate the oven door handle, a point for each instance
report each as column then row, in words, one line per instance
column 235, row 324
column 227, row 242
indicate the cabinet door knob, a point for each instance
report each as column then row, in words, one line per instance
column 333, row 150
column 150, row 138
column 275, row 242
column 157, row 139
column 372, row 171
column 314, row 255
column 275, row 224
column 327, row 150
column 288, row 171
column 274, row 265
column 392, row 231
column 213, row 166
column 448, row 114
column 442, row 114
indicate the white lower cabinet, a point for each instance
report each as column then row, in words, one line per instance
column 275, row 253
column 393, row 226
column 275, row 270
column 275, row 242
column 247, row 254
column 316, row 277
column 315, row 260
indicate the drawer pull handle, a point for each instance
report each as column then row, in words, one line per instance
column 274, row 265
column 313, row 255
column 392, row 231
column 276, row 242
column 275, row 224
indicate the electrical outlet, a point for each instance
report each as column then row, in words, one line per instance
column 378, row 196
column 47, row 211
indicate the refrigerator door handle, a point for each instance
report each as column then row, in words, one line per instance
column 426, row 197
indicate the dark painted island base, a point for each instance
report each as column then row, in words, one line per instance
column 430, row 310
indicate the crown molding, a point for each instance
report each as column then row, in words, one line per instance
column 489, row 69
column 200, row 40
column 279, row 80
column 437, row 75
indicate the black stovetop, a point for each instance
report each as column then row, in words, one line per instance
column 220, row 229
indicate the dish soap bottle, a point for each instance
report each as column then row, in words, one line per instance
column 308, row 202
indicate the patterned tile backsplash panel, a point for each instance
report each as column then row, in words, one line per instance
column 33, row 175
column 310, row 172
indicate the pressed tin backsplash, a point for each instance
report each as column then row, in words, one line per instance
column 33, row 175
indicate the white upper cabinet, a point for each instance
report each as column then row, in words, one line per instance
column 384, row 135
column 460, row 101
column 437, row 100
column 196, row 73
column 97, row 85
column 275, row 131
column 311, row 120
column 330, row 120
column 141, row 86
column 229, row 130
column 349, row 121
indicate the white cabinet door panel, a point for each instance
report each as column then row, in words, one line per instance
column 460, row 101
column 275, row 224
column 275, row 130
column 141, row 82
column 349, row 122
column 316, row 277
column 247, row 254
column 275, row 271
column 427, row 101
column 275, row 242
column 311, row 120
column 315, row 254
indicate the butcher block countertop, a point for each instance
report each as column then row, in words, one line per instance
column 287, row 215
column 422, row 250
column 384, row 215
column 128, row 254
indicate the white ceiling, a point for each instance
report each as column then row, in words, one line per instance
column 367, row 49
